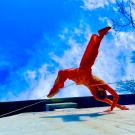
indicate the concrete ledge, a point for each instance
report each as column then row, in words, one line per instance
column 82, row 102
column 51, row 107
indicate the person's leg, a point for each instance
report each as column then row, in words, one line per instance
column 59, row 83
column 91, row 51
column 103, row 31
column 63, row 75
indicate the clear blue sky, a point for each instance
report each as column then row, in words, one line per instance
column 39, row 37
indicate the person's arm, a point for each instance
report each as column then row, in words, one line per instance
column 114, row 94
column 115, row 100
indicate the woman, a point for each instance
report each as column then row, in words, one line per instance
column 83, row 75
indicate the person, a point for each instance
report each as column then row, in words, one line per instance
column 83, row 75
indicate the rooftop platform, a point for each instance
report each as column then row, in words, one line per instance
column 84, row 121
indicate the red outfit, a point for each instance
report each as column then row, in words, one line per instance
column 83, row 74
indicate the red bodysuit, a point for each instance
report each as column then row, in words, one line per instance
column 83, row 74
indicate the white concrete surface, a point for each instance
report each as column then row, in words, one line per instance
column 91, row 121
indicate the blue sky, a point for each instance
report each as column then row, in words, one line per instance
column 40, row 37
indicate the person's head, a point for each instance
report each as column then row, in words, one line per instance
column 101, row 93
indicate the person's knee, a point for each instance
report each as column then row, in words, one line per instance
column 61, row 72
column 62, row 76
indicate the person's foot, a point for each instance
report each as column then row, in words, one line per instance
column 104, row 31
column 53, row 92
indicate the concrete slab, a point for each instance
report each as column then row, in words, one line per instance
column 90, row 121
column 55, row 106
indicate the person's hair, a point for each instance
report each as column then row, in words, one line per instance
column 101, row 93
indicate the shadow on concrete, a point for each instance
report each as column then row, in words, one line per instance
column 77, row 117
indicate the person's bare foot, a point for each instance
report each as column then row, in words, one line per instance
column 53, row 92
column 104, row 31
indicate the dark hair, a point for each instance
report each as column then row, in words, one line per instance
column 101, row 93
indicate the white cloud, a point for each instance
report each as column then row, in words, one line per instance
column 130, row 72
column 125, row 39
column 94, row 4
column 71, row 57
column 123, row 44
column 31, row 74
column 106, row 20
column 133, row 13
column 44, row 83
column 109, row 65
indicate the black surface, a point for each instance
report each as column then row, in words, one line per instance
column 83, row 102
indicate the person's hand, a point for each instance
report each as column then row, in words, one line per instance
column 124, row 108
column 108, row 110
